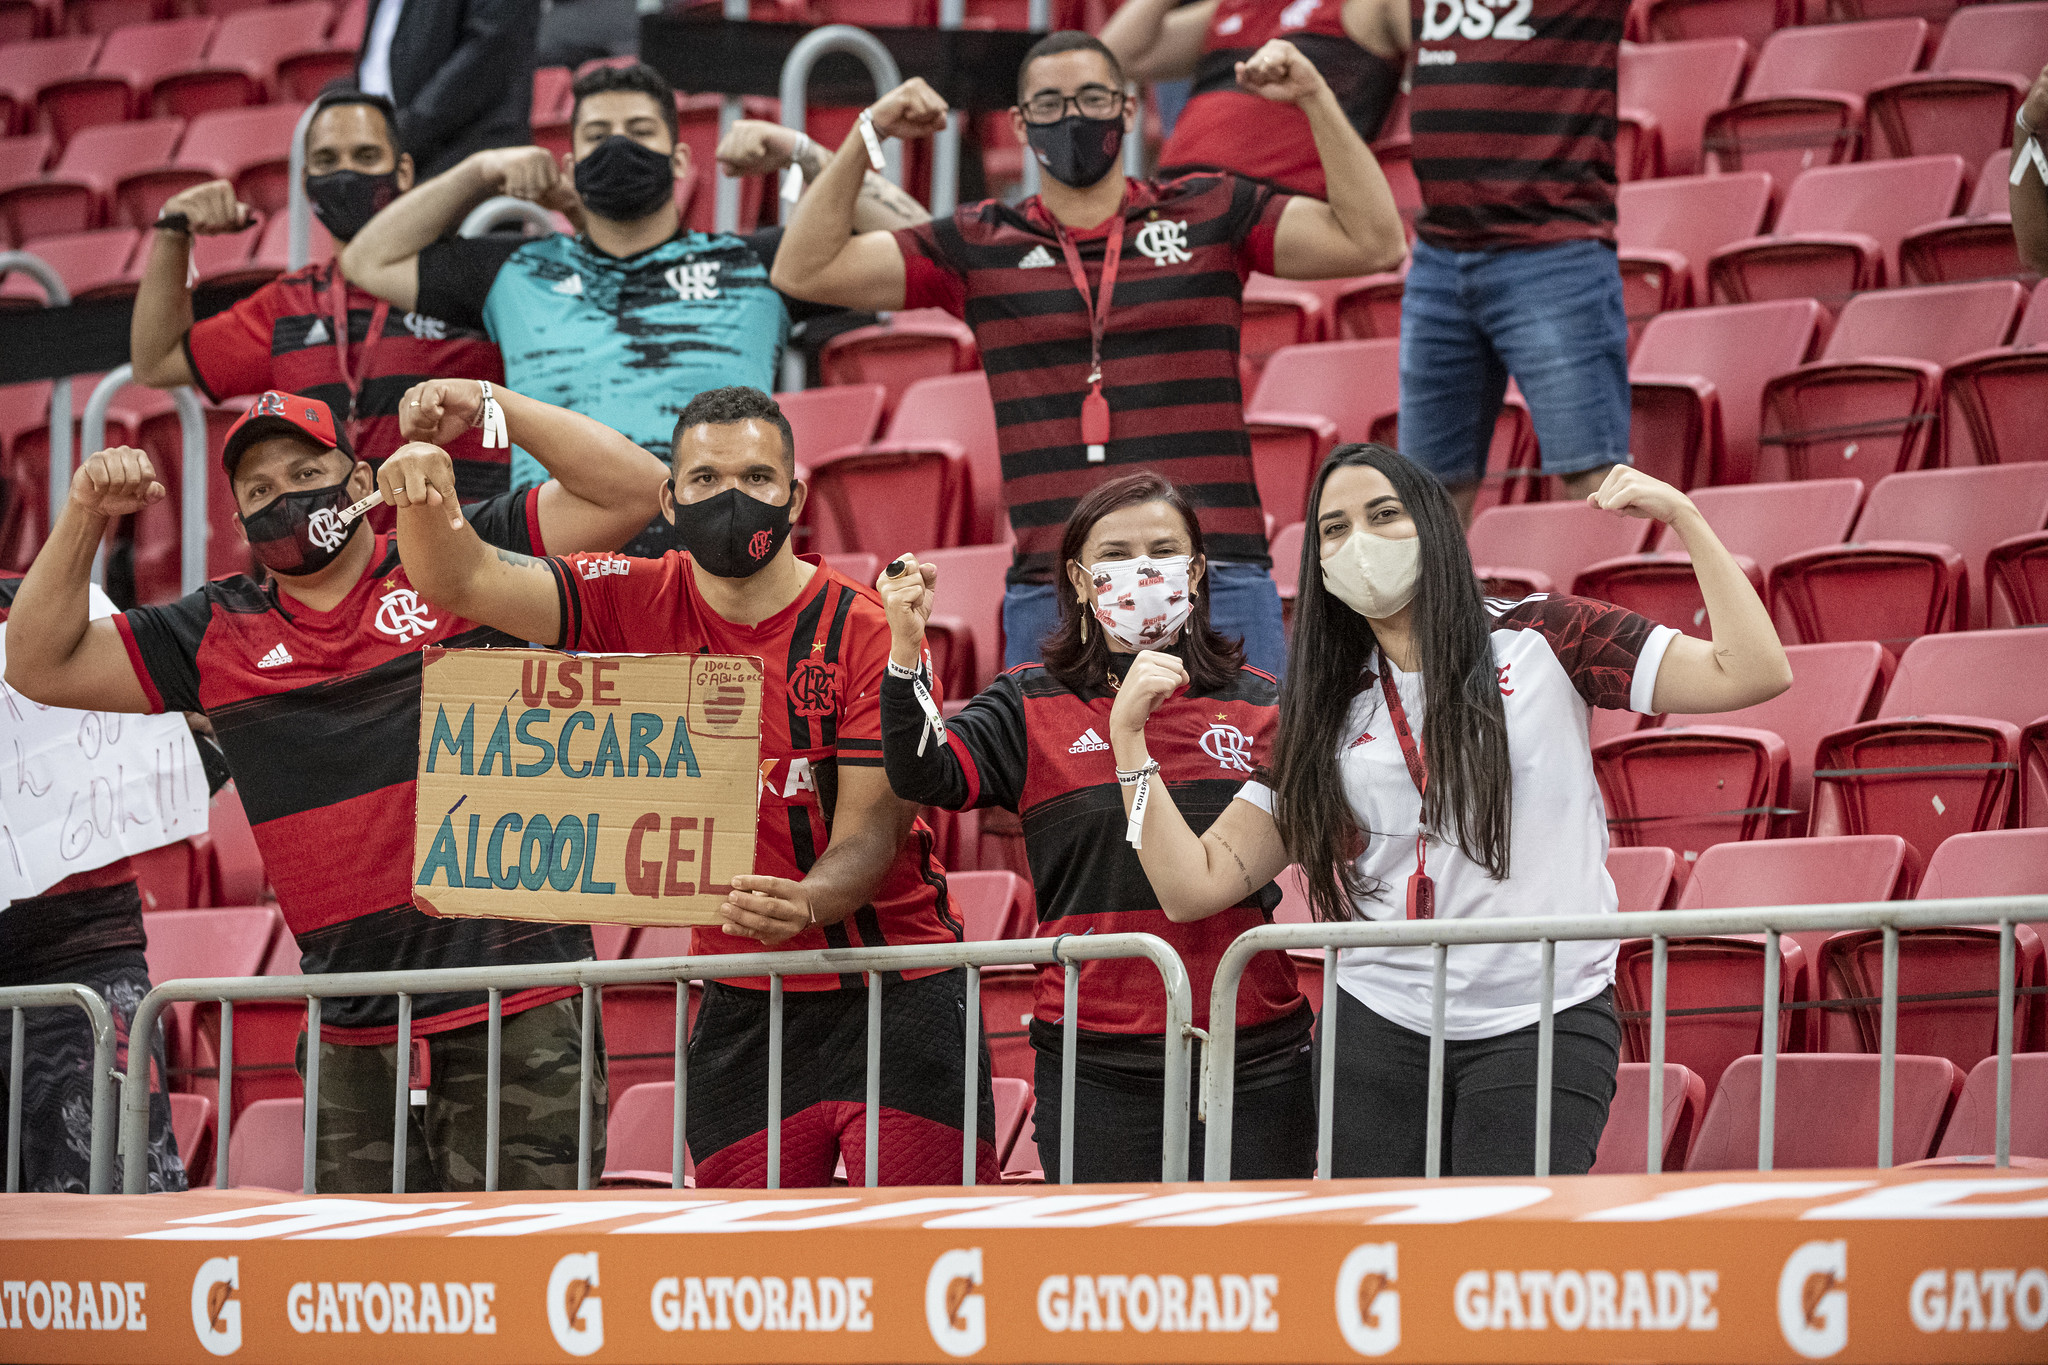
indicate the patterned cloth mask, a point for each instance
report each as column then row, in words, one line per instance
column 301, row 532
column 1143, row 602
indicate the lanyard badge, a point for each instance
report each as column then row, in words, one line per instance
column 1421, row 889
column 1095, row 407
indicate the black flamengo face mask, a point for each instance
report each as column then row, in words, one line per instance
column 345, row 201
column 1077, row 151
column 623, row 181
column 302, row 532
column 732, row 535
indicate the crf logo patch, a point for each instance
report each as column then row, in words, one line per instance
column 814, row 689
column 1228, row 745
column 1164, row 242
column 425, row 328
column 402, row 616
column 759, row 545
column 693, row 283
column 326, row 529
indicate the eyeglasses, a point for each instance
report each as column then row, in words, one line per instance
column 1093, row 101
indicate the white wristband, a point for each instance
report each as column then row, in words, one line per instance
column 492, row 419
column 869, row 136
column 793, row 175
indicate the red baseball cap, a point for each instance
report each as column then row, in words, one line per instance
column 282, row 414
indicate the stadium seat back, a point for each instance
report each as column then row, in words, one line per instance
column 22, row 158
column 2033, row 800
column 1991, row 401
column 248, row 146
column 1808, row 871
column 1723, row 976
column 639, row 1137
column 1013, row 1107
column 1679, row 84
column 1833, row 686
column 1768, row 521
column 1690, row 788
column 1924, row 778
column 255, row 40
column 957, row 408
column 1977, row 246
column 1352, row 383
column 1368, row 308
column 1557, row 539
column 1641, row 876
column 1995, row 673
column 640, row 1030
column 831, row 418
column 915, row 344
column 1007, row 994
column 91, row 264
column 267, row 1034
column 1802, row 105
column 1971, row 509
column 192, row 1130
column 1997, row 862
column 1965, row 100
column 881, row 500
column 1626, row 1136
column 1949, row 961
column 1749, row 20
column 1842, row 57
column 1024, row 1165
column 1973, row 1128
column 1737, row 349
column 266, row 1145
column 1826, row 1114
column 971, row 586
column 2016, row 576
column 1694, row 215
column 990, row 905
column 1937, row 323
column 229, row 941
column 1286, row 553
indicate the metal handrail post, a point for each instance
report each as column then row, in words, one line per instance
column 501, row 210
column 1038, row 18
column 57, row 296
column 796, row 75
column 92, row 436
column 726, row 205
column 192, row 490
column 100, row 1153
column 946, row 142
column 299, row 209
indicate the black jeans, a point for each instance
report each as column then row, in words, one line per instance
column 1489, row 1128
column 1118, row 1119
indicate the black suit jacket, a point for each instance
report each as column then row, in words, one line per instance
column 462, row 76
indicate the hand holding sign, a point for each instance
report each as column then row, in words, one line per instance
column 771, row 909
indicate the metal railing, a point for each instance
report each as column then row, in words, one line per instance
column 1068, row 950
column 299, row 234
column 19, row 1000
column 1658, row 926
column 504, row 210
column 57, row 296
column 192, row 521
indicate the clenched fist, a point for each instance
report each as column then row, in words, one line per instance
column 912, row 110
column 908, row 597
column 211, row 208
column 1280, row 73
column 420, row 475
column 117, row 482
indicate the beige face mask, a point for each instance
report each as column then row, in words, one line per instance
column 1374, row 575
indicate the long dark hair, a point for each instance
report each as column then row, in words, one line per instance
column 1083, row 661
column 1464, row 734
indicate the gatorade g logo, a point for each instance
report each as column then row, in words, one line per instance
column 956, row 1314
column 813, row 689
column 1368, row 1307
column 575, row 1314
column 1813, row 1301
column 216, row 1312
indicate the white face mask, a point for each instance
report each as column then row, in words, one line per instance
column 1374, row 575
column 1142, row 602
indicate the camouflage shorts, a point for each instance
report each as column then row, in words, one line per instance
column 444, row 1145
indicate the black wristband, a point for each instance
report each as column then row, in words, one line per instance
column 173, row 222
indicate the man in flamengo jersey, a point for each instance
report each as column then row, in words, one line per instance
column 1098, row 373
column 312, row 681
column 843, row 862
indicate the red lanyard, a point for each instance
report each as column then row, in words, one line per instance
column 354, row 381
column 1095, row 408
column 1421, row 890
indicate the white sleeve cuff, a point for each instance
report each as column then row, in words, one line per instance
column 1643, row 686
column 1258, row 794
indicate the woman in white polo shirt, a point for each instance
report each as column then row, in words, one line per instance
column 1433, row 760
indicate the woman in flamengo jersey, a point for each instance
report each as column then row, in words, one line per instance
column 1432, row 762
column 1033, row 742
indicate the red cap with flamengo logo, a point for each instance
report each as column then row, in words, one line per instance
column 281, row 414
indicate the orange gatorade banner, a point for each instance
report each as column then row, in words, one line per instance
column 1923, row 1265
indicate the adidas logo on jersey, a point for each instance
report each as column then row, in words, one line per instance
column 317, row 334
column 572, row 285
column 277, row 656
column 1035, row 258
column 1088, row 743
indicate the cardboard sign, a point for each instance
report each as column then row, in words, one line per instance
column 617, row 789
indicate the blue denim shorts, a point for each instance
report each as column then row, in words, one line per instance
column 1552, row 317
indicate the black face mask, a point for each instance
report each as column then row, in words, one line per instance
column 624, row 181
column 732, row 535
column 1077, row 151
column 345, row 201
column 301, row 532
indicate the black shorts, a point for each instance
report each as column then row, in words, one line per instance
column 825, row 1086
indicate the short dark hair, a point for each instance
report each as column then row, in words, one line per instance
column 733, row 404
column 639, row 78
column 334, row 96
column 1067, row 40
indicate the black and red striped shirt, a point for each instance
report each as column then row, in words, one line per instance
column 318, row 713
column 1169, row 358
column 1030, row 745
column 1512, row 109
column 822, row 661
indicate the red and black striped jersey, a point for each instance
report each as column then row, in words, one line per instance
column 1512, row 109
column 1169, row 358
column 1030, row 745
column 319, row 716
column 822, row 661
column 283, row 336
column 1226, row 127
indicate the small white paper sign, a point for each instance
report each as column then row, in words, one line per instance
column 79, row 789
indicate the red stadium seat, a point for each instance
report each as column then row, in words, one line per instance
column 2016, row 576
column 1973, row 1128
column 267, row 1034
column 639, row 1138
column 1994, row 673
column 1623, row 1140
column 991, row 905
column 1826, row 1112
column 954, row 413
column 234, row 871
column 77, row 195
column 640, row 1021
column 970, row 593
column 1965, row 100
column 880, row 499
column 828, row 419
column 1006, row 997
column 192, row 1130
column 1695, row 381
column 301, row 76
column 1802, row 105
column 1278, row 313
column 251, row 147
column 1673, row 86
column 1992, row 401
column 1554, row 539
column 21, row 20
column 1668, row 228
column 91, row 264
column 1688, row 788
column 1024, row 1166
column 1013, row 1107
column 1922, row 539
column 22, row 158
column 859, row 565
column 1977, row 246
column 1723, row 978
column 1932, row 962
column 233, row 941
column 1641, row 876
column 107, row 16
column 271, row 248
column 1994, row 862
column 552, row 99
column 129, row 63
column 1809, row 871
column 1759, row 523
column 1369, row 307
column 1751, row 20
column 1350, row 383
column 1839, row 230
column 911, row 345
column 267, row 1145
column 1867, row 407
column 241, row 65
column 27, row 68
column 2033, row 804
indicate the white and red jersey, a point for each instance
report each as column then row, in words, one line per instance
column 1557, row 658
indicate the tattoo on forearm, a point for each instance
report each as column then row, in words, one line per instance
column 812, row 159
column 516, row 559
column 887, row 197
column 1242, row 870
